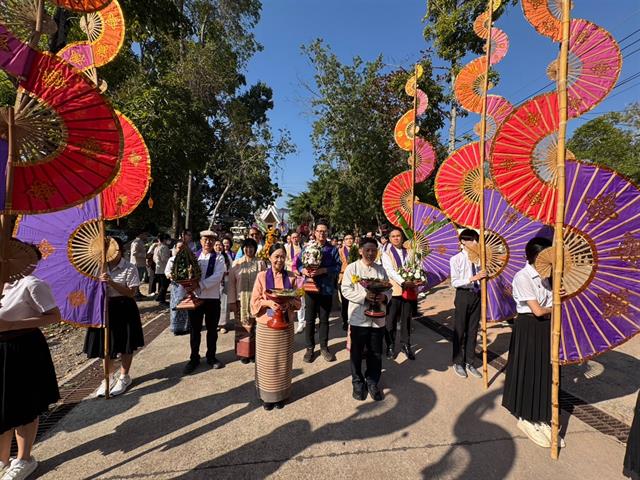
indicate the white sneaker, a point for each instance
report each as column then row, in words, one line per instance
column 535, row 433
column 20, row 469
column 4, row 466
column 121, row 385
column 102, row 389
column 546, row 429
column 300, row 327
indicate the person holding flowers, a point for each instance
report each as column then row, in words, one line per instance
column 400, row 310
column 367, row 326
column 320, row 263
column 274, row 301
column 344, row 251
column 465, row 278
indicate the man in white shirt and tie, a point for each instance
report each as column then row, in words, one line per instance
column 213, row 269
column 465, row 278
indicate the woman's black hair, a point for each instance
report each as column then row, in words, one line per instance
column 368, row 240
column 249, row 242
column 276, row 246
column 535, row 246
column 469, row 235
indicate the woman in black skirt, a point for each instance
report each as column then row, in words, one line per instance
column 125, row 327
column 632, row 456
column 527, row 387
column 28, row 382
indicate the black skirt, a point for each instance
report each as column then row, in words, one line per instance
column 632, row 456
column 527, row 386
column 28, row 385
column 125, row 330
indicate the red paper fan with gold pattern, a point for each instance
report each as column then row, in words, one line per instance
column 82, row 5
column 105, row 31
column 396, row 198
column 458, row 186
column 130, row 186
column 68, row 139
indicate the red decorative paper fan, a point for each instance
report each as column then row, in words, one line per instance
column 68, row 139
column 396, row 198
column 131, row 185
column 83, row 6
column 458, row 186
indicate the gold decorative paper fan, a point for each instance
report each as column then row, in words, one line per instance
column 20, row 17
column 85, row 251
column 21, row 261
column 497, row 253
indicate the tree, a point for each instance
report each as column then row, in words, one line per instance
column 450, row 28
column 612, row 139
column 356, row 107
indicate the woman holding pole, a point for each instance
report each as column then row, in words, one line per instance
column 125, row 327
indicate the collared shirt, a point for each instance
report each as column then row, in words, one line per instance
column 26, row 298
column 138, row 253
column 161, row 256
column 240, row 253
column 331, row 261
column 462, row 271
column 389, row 264
column 125, row 273
column 357, row 295
column 210, row 287
column 528, row 285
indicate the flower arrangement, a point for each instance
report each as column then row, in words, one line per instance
column 312, row 255
column 412, row 272
column 377, row 286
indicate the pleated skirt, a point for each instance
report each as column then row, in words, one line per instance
column 125, row 330
column 632, row 456
column 527, row 386
column 274, row 363
column 28, row 384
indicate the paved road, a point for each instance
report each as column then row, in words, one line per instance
column 431, row 424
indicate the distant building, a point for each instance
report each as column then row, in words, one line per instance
column 274, row 217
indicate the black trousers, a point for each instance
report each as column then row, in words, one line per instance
column 316, row 305
column 371, row 339
column 210, row 311
column 344, row 309
column 163, row 286
column 467, row 319
column 400, row 310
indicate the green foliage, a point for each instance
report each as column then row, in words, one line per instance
column 612, row 139
column 357, row 106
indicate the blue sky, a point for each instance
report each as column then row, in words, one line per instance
column 394, row 28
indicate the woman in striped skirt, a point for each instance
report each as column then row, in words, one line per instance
column 274, row 348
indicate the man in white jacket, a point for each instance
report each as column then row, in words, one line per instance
column 365, row 331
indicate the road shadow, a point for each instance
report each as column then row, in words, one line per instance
column 484, row 448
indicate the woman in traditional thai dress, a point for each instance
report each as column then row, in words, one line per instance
column 632, row 455
column 179, row 319
column 225, row 313
column 242, row 277
column 27, row 377
column 527, row 386
column 274, row 348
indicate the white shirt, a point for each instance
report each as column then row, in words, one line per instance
column 210, row 287
column 26, row 298
column 528, row 285
column 388, row 264
column 462, row 271
column 356, row 293
column 138, row 253
column 125, row 273
column 161, row 256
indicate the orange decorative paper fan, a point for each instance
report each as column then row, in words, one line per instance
column 84, row 6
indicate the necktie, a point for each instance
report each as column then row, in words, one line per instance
column 476, row 286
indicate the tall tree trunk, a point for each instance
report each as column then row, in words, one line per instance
column 218, row 203
column 453, row 113
column 175, row 212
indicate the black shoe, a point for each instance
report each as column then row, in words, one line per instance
column 390, row 353
column 359, row 392
column 245, row 360
column 406, row 349
column 190, row 366
column 327, row 355
column 375, row 392
column 280, row 405
column 163, row 304
column 215, row 363
column 309, row 357
column 267, row 406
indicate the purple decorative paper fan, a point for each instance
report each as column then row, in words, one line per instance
column 603, row 236
column 79, row 296
column 15, row 55
column 4, row 157
column 507, row 233
column 441, row 244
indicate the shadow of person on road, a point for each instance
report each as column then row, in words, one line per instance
column 484, row 448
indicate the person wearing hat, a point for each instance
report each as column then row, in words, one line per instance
column 207, row 289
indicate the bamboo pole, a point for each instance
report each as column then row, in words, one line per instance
column 413, row 148
column 6, row 218
column 559, row 233
column 483, row 244
column 103, row 269
column 35, row 37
